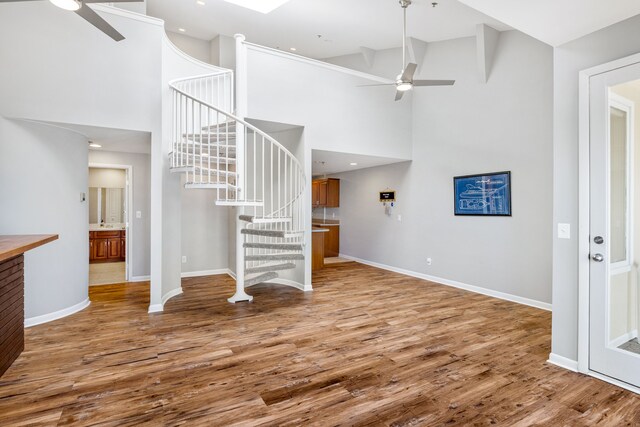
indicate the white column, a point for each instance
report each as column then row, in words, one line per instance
column 240, row 294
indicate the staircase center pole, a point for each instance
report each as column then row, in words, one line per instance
column 241, row 106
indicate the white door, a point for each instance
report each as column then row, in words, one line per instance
column 613, row 293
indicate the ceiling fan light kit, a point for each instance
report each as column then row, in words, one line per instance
column 72, row 5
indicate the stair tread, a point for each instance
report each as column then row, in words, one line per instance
column 275, row 246
column 260, row 232
column 223, row 125
column 275, row 257
column 260, row 278
column 264, row 220
column 270, row 267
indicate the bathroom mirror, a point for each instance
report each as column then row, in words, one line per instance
column 106, row 205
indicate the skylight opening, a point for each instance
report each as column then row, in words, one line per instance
column 262, row 6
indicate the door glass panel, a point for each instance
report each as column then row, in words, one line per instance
column 618, row 192
column 623, row 273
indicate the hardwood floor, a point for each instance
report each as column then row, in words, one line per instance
column 367, row 347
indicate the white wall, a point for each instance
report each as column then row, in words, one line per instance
column 196, row 48
column 137, row 7
column 205, row 232
column 107, row 178
column 140, row 228
column 597, row 48
column 223, row 52
column 470, row 128
column 43, row 171
column 336, row 114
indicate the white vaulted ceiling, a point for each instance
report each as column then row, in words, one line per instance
column 556, row 22
column 345, row 25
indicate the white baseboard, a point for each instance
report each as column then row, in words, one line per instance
column 166, row 297
column 158, row 308
column 155, row 308
column 563, row 362
column 624, row 338
column 286, row 282
column 204, row 273
column 140, row 279
column 38, row 320
column 472, row 288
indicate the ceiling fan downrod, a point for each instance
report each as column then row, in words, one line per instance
column 405, row 4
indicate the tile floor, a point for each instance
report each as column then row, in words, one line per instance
column 106, row 273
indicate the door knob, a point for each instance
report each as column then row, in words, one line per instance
column 598, row 258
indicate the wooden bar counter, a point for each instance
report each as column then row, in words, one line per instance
column 12, row 249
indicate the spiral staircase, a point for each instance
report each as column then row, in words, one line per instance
column 248, row 169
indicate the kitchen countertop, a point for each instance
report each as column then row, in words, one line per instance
column 319, row 230
column 96, row 227
column 324, row 222
column 11, row 246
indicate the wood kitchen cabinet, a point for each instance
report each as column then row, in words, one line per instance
column 325, row 193
column 332, row 241
column 107, row 246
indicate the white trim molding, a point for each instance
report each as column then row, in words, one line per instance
column 173, row 293
column 472, row 288
column 155, row 308
column 136, row 279
column 315, row 62
column 38, row 320
column 204, row 273
column 286, row 282
column 624, row 338
column 159, row 308
column 563, row 362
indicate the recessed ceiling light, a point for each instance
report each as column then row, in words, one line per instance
column 67, row 4
column 201, row 3
column 182, row 30
column 353, row 164
column 94, row 145
column 293, row 49
column 263, row 6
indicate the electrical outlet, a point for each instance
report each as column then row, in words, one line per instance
column 429, row 261
column 184, row 259
column 399, row 218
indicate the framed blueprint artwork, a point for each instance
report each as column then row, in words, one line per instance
column 483, row 195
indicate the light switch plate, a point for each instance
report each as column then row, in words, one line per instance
column 138, row 214
column 564, row 231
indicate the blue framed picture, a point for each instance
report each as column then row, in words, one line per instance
column 485, row 195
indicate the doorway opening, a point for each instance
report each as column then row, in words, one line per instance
column 109, row 199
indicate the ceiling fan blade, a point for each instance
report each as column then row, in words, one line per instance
column 112, row 1
column 433, row 82
column 409, row 71
column 96, row 20
column 380, row 84
column 399, row 95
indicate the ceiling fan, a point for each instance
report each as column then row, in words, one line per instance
column 404, row 81
column 80, row 7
